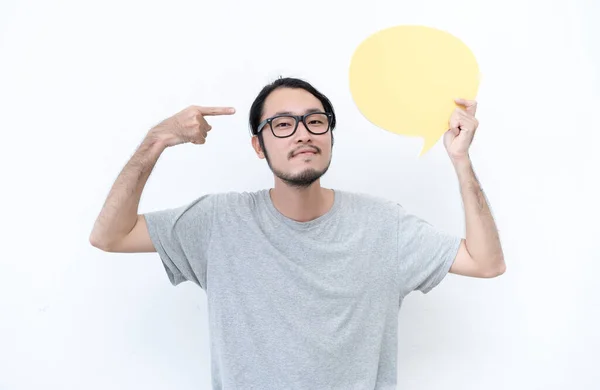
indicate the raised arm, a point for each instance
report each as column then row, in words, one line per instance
column 480, row 254
column 119, row 227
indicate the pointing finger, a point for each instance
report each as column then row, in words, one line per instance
column 216, row 110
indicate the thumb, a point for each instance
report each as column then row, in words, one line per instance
column 470, row 105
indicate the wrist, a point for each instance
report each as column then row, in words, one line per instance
column 461, row 161
column 158, row 140
column 463, row 168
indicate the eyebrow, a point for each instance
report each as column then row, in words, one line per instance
column 310, row 110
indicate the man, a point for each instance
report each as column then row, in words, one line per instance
column 304, row 283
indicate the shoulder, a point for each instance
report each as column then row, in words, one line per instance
column 239, row 199
column 227, row 202
column 371, row 204
column 363, row 199
column 204, row 208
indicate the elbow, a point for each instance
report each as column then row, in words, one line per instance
column 98, row 242
column 497, row 270
column 500, row 270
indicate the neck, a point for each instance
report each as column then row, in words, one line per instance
column 301, row 204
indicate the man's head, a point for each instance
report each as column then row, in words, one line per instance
column 297, row 151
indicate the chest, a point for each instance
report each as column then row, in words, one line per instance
column 323, row 272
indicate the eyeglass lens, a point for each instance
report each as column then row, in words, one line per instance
column 283, row 126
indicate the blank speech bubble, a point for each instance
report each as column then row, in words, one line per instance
column 404, row 79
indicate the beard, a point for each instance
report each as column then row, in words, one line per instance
column 300, row 180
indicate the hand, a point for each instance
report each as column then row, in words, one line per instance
column 462, row 125
column 188, row 125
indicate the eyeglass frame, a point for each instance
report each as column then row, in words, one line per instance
column 298, row 118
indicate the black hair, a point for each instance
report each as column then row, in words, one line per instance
column 256, row 110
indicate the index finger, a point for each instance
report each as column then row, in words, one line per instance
column 216, row 110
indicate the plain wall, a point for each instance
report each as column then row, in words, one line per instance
column 81, row 83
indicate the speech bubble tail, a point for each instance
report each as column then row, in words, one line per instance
column 428, row 143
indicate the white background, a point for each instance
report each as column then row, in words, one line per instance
column 82, row 82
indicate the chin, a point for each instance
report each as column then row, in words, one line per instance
column 301, row 179
column 303, row 176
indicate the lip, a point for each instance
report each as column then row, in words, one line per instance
column 305, row 152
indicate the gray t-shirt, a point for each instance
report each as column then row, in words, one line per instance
column 301, row 305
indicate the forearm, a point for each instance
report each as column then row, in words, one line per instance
column 482, row 238
column 120, row 211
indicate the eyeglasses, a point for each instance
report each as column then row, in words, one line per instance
column 283, row 126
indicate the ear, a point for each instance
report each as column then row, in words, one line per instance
column 257, row 148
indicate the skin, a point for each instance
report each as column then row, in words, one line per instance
column 300, row 203
column 480, row 253
column 119, row 227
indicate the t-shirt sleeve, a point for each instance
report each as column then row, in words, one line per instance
column 425, row 253
column 181, row 237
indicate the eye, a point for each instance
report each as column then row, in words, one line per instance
column 317, row 120
column 283, row 122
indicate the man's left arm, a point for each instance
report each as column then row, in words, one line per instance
column 480, row 253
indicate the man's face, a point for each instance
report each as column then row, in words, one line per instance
column 302, row 158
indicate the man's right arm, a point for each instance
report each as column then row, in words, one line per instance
column 119, row 227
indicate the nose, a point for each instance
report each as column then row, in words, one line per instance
column 302, row 134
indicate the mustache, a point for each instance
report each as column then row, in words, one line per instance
column 314, row 148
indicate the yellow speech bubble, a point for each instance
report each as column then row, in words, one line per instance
column 404, row 79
